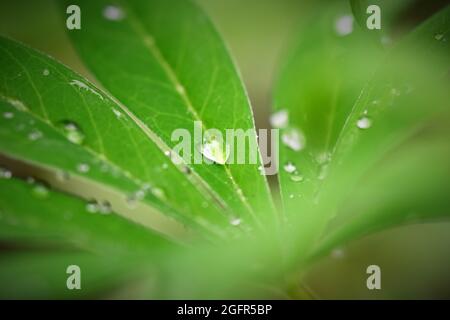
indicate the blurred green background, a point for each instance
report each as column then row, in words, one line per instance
column 414, row 259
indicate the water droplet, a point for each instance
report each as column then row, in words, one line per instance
column 215, row 150
column 5, row 173
column 296, row 177
column 291, row 196
column 167, row 153
column 83, row 167
column 294, row 139
column 35, row 135
column 344, row 25
column 279, row 119
column 187, row 170
column 62, row 175
column 159, row 193
column 45, row 72
column 235, row 222
column 113, row 13
column 72, row 131
column 364, row 123
column 105, row 207
column 81, row 85
column 289, row 167
column 40, row 190
column 8, row 115
column 439, row 36
column 92, row 206
column 323, row 157
column 262, row 170
column 30, row 180
column 19, row 105
column 117, row 113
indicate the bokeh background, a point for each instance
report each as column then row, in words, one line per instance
column 414, row 259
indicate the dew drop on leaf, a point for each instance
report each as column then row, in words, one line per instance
column 40, row 190
column 8, row 115
column 35, row 135
column 296, row 177
column 45, row 72
column 289, row 167
column 235, row 222
column 105, row 207
column 279, row 119
column 5, row 173
column 72, row 131
column 113, row 13
column 83, row 167
column 159, row 193
column 215, row 151
column 293, row 139
column 117, row 113
column 364, row 123
column 92, row 206
column 344, row 25
column 439, row 36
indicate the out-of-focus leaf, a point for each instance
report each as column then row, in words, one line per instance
column 58, row 127
column 405, row 95
column 406, row 104
column 42, row 232
column 317, row 87
column 32, row 211
column 42, row 275
column 165, row 61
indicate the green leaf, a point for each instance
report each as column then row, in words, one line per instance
column 63, row 130
column 42, row 275
column 31, row 210
column 45, row 230
column 166, row 63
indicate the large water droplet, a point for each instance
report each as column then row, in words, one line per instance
column 279, row 119
column 5, row 173
column 45, row 72
column 72, row 131
column 113, row 13
column 364, row 123
column 289, row 167
column 293, row 138
column 215, row 150
column 40, row 190
column 344, row 25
